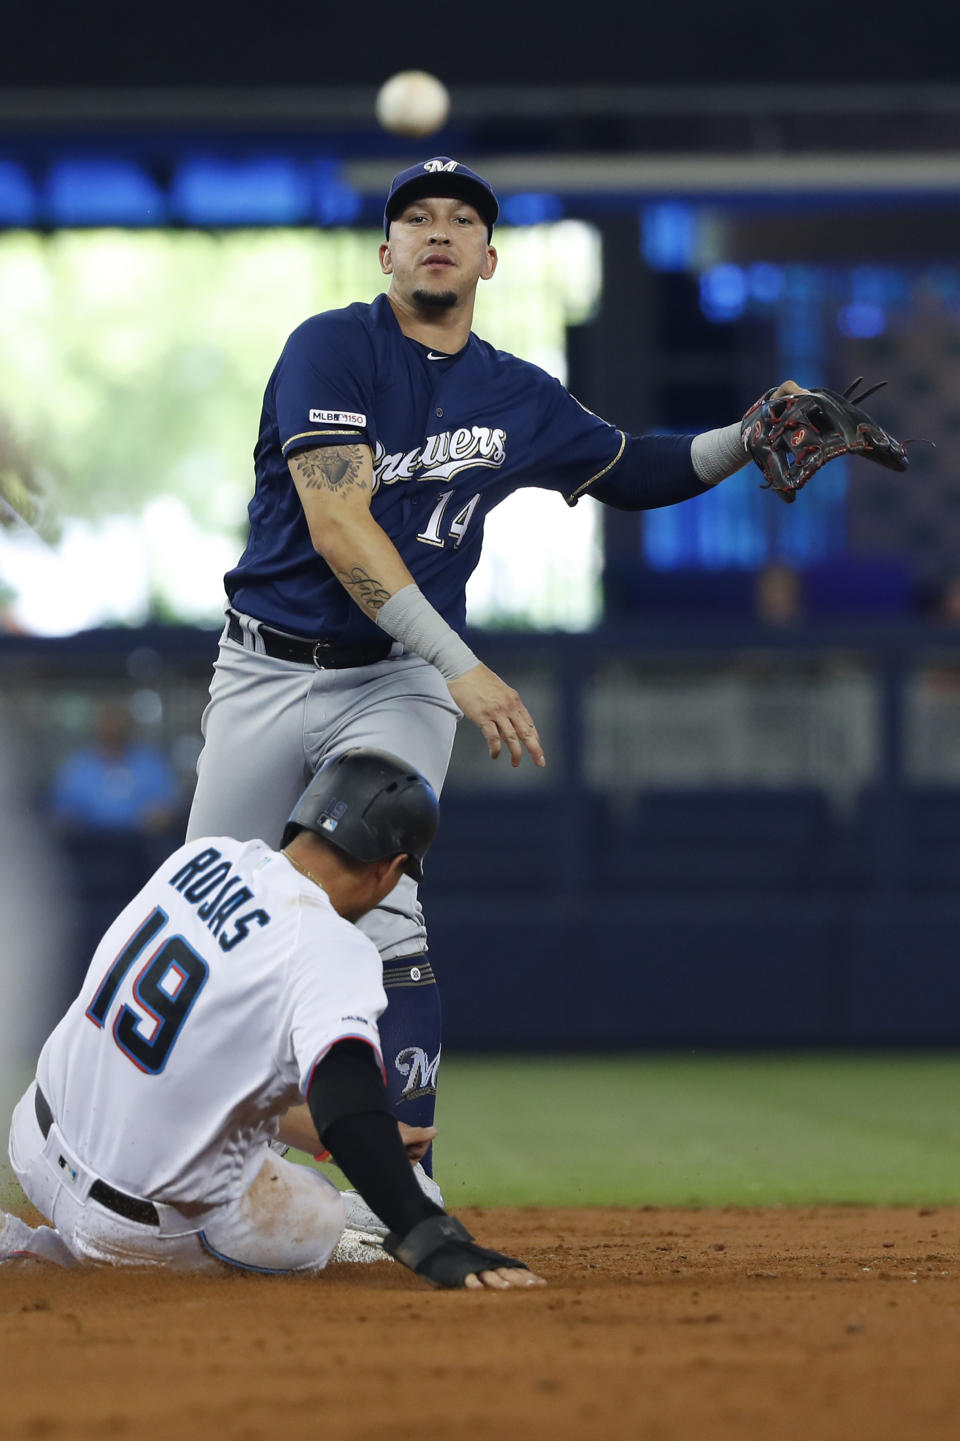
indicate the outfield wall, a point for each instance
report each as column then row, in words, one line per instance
column 741, row 838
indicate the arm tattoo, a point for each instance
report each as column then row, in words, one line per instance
column 366, row 591
column 330, row 467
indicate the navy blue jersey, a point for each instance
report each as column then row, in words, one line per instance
column 451, row 438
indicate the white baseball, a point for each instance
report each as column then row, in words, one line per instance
column 412, row 103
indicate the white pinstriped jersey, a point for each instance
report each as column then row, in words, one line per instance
column 206, row 1007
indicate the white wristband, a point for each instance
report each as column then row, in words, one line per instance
column 718, row 453
column 410, row 618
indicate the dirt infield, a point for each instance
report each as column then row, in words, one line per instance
column 658, row 1325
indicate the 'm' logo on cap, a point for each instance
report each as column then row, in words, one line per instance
column 434, row 165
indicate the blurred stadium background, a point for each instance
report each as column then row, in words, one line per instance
column 749, row 832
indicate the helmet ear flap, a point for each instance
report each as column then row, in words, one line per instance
column 413, row 868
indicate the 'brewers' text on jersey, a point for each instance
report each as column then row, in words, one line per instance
column 451, row 437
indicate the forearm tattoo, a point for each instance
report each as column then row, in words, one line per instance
column 366, row 591
column 330, row 467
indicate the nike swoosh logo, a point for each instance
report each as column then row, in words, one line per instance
column 431, row 356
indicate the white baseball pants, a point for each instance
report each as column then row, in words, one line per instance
column 289, row 1220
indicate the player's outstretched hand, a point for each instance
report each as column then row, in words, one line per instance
column 498, row 710
column 503, row 1279
column 443, row 1252
column 417, row 1140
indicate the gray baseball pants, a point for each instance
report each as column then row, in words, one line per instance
column 270, row 724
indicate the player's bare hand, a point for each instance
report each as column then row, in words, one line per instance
column 504, row 1279
column 417, row 1140
column 499, row 712
column 789, row 387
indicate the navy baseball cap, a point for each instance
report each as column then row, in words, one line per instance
column 441, row 176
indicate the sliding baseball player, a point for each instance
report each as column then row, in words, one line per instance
column 234, row 988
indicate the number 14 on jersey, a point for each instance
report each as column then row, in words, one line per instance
column 457, row 527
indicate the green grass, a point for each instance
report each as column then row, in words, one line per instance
column 711, row 1130
column 703, row 1130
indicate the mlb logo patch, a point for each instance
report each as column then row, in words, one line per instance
column 333, row 815
column 338, row 417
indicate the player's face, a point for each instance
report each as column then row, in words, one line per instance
column 437, row 251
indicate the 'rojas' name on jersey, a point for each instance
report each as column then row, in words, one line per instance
column 209, row 882
column 442, row 457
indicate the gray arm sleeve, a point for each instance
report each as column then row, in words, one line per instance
column 410, row 618
column 718, row 453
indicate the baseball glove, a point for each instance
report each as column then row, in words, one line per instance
column 791, row 436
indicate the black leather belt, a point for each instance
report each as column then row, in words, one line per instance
column 321, row 653
column 114, row 1200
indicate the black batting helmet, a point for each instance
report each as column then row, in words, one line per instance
column 371, row 805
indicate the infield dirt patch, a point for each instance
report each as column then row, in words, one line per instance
column 659, row 1325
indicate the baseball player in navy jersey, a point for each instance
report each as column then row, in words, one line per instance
column 232, row 989
column 389, row 432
